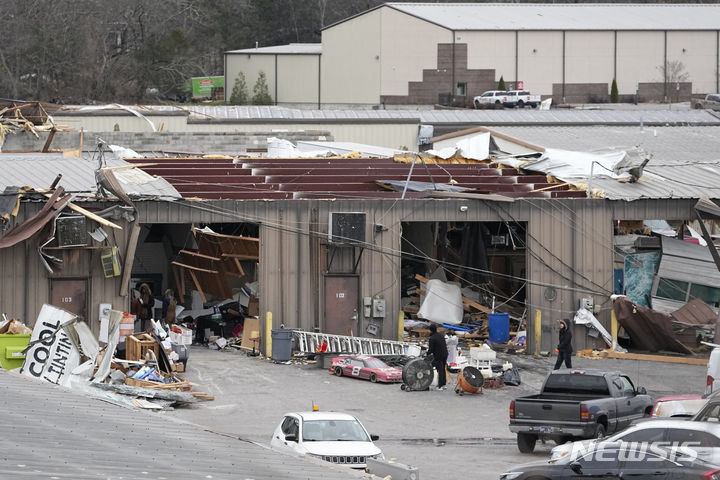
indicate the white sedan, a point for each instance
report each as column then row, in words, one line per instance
column 331, row 436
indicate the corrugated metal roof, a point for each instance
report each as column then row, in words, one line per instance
column 685, row 160
column 39, row 170
column 289, row 49
column 597, row 16
column 53, row 432
column 599, row 116
column 561, row 116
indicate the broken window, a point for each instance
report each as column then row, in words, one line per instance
column 672, row 289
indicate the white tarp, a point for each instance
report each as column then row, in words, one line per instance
column 442, row 303
column 476, row 147
column 52, row 355
column 281, row 148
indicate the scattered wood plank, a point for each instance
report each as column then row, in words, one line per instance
column 183, row 397
column 642, row 356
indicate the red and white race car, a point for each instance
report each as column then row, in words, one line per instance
column 362, row 366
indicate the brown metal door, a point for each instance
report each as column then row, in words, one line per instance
column 341, row 304
column 69, row 294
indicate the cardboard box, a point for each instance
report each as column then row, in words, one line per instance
column 138, row 345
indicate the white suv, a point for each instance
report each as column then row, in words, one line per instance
column 331, row 436
column 492, row 98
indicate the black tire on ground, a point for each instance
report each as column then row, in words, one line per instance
column 599, row 431
column 373, row 378
column 338, row 371
column 477, row 104
column 497, row 102
column 526, row 442
column 563, row 439
column 521, row 104
column 533, row 105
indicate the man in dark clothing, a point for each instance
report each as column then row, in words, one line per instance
column 564, row 348
column 438, row 348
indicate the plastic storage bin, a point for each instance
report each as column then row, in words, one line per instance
column 281, row 344
column 499, row 327
column 11, row 347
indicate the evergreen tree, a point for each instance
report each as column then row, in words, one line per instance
column 261, row 93
column 614, row 95
column 501, row 83
column 239, row 94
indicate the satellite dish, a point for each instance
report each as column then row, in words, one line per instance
column 417, row 374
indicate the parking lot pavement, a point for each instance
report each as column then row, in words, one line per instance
column 444, row 434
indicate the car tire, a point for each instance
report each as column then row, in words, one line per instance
column 526, row 442
column 521, row 104
column 338, row 371
column 373, row 378
column 599, row 431
column 477, row 104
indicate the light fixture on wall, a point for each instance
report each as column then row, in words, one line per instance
column 463, row 208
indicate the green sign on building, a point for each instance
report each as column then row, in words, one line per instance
column 202, row 86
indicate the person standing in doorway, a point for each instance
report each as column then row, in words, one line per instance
column 564, row 347
column 438, row 349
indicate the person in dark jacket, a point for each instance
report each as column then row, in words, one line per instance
column 438, row 348
column 564, row 348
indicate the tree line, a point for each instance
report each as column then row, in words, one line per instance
column 130, row 51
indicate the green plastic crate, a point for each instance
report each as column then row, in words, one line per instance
column 11, row 347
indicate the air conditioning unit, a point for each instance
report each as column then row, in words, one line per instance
column 71, row 231
column 346, row 228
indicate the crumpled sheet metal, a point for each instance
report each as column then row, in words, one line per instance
column 649, row 329
column 52, row 208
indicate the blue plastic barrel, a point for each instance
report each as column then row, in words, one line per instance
column 499, row 327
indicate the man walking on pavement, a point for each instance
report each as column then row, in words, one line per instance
column 438, row 349
column 564, row 348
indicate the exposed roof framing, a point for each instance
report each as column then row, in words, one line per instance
column 312, row 178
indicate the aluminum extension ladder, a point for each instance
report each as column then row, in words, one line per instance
column 307, row 342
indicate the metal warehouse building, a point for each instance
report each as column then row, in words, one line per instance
column 428, row 53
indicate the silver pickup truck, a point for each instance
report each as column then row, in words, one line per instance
column 575, row 404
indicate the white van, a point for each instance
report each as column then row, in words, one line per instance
column 713, row 372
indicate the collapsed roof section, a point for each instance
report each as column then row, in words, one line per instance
column 348, row 178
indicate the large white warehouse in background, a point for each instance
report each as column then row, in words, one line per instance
column 429, row 53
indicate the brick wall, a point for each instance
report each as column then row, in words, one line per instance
column 437, row 85
column 581, row 93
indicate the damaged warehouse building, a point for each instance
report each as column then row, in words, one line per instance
column 534, row 220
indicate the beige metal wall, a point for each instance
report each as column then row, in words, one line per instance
column 698, row 52
column 408, row 46
column 570, row 243
column 351, row 69
column 540, row 60
column 491, row 50
column 298, row 79
column 589, row 57
column 638, row 58
column 25, row 283
column 391, row 135
column 251, row 66
column 122, row 123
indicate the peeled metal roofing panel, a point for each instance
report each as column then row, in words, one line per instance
column 598, row 16
column 53, row 432
column 685, row 160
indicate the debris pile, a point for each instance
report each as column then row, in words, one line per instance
column 142, row 371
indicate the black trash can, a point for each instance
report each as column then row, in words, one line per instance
column 281, row 344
